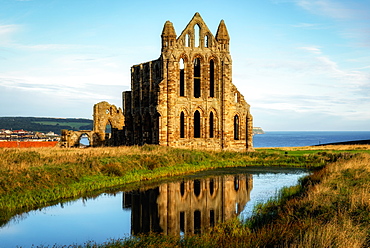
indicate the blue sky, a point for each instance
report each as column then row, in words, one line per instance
column 300, row 64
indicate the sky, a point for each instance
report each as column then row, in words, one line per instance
column 302, row 65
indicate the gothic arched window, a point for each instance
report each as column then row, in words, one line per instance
column 236, row 127
column 211, row 78
column 196, row 35
column 182, row 78
column 187, row 40
column 206, row 41
column 197, row 124
column 211, row 125
column 182, row 125
column 197, row 78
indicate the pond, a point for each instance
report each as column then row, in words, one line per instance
column 186, row 205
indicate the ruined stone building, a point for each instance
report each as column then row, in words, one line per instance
column 188, row 207
column 104, row 114
column 184, row 99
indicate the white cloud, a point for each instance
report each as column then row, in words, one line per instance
column 6, row 33
column 330, row 8
column 308, row 82
column 315, row 50
column 309, row 26
column 7, row 29
column 93, row 88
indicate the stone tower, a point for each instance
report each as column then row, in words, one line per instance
column 186, row 98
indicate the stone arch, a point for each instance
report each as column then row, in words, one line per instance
column 72, row 138
column 199, row 56
column 88, row 138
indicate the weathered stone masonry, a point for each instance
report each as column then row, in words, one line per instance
column 186, row 98
column 104, row 114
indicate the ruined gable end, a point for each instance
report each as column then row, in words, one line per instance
column 188, row 99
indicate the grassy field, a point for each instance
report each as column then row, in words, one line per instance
column 73, row 125
column 40, row 124
column 33, row 178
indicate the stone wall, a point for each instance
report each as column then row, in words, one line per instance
column 104, row 114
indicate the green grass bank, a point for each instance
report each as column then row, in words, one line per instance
column 34, row 178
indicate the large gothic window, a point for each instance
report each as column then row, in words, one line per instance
column 182, row 78
column 206, row 41
column 182, row 125
column 211, row 78
column 187, row 40
column 196, row 35
column 197, row 124
column 197, row 78
column 211, row 125
column 236, row 127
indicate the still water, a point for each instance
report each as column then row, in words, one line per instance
column 306, row 138
column 187, row 205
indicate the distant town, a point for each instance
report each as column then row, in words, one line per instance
column 23, row 135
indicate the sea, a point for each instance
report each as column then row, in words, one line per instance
column 306, row 138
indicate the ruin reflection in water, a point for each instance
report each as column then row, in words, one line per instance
column 188, row 207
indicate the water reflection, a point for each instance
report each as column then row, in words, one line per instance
column 188, row 206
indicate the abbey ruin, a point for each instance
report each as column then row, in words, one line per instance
column 184, row 99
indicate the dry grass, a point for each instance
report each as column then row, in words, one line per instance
column 334, row 212
column 21, row 158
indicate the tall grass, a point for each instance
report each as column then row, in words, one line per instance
column 32, row 178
